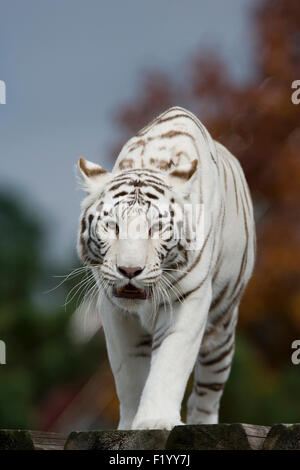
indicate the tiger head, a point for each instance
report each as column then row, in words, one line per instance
column 133, row 233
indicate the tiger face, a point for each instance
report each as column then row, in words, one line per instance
column 131, row 234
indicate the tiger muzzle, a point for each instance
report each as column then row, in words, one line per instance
column 130, row 292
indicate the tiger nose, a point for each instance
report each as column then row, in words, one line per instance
column 130, row 272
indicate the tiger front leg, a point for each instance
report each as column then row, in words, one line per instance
column 129, row 351
column 172, row 362
column 212, row 371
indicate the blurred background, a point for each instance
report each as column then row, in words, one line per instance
column 82, row 77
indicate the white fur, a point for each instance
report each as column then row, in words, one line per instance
column 151, row 382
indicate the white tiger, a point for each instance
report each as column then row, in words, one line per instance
column 166, row 309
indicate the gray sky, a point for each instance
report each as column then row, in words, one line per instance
column 68, row 64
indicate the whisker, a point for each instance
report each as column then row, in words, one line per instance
column 174, row 289
column 80, row 285
column 176, row 270
column 167, row 299
column 75, row 272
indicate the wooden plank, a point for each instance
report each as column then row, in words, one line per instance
column 256, row 435
column 201, row 437
column 48, row 440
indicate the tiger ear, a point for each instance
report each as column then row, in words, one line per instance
column 91, row 176
column 183, row 176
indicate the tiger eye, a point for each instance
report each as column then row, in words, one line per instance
column 112, row 225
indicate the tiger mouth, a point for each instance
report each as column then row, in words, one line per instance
column 129, row 292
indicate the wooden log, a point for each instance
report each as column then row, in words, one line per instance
column 117, row 440
column 195, row 437
column 217, row 437
column 283, row 437
column 14, row 439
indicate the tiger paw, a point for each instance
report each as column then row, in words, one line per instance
column 159, row 423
